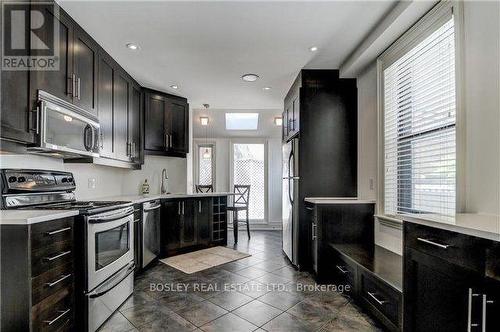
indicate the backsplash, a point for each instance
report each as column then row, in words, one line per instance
column 94, row 181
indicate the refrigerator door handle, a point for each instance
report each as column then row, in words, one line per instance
column 289, row 164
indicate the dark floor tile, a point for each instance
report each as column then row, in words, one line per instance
column 346, row 323
column 230, row 300
column 282, row 300
column 253, row 289
column 229, row 323
column 270, row 265
column 202, row 313
column 287, row 272
column 145, row 313
column 137, row 298
column 117, row 323
column 172, row 322
column 257, row 313
column 233, row 266
column 288, row 323
column 274, row 279
column 251, row 272
column 176, row 301
column 311, row 313
column 331, row 301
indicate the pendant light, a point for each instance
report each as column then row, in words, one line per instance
column 206, row 154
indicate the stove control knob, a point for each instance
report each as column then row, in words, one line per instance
column 21, row 179
column 70, row 180
column 12, row 179
column 64, row 180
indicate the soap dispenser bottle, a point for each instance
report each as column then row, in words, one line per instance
column 145, row 187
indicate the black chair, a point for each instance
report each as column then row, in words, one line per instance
column 204, row 188
column 240, row 203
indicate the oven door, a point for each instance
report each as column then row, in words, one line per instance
column 110, row 244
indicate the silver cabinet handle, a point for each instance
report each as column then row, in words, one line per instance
column 372, row 295
column 171, row 141
column 53, row 283
column 470, row 325
column 310, row 208
column 62, row 313
column 73, row 85
column 314, row 231
column 35, row 113
column 341, row 269
column 183, row 208
column 484, row 305
column 78, row 87
column 58, row 231
column 439, row 245
column 165, row 139
column 62, row 254
column 199, row 206
column 179, row 208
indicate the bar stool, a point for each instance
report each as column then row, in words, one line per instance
column 240, row 203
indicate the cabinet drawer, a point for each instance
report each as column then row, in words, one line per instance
column 51, row 282
column 381, row 297
column 456, row 248
column 55, row 313
column 51, row 256
column 345, row 271
column 47, row 233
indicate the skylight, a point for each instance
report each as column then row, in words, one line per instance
column 242, row 121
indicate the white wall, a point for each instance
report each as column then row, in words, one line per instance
column 222, row 157
column 482, row 112
column 109, row 181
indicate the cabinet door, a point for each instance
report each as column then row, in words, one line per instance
column 105, row 105
column 203, row 219
column 154, row 120
column 120, row 114
column 437, row 295
column 170, row 226
column 179, row 127
column 134, row 123
column 491, row 306
column 59, row 83
column 85, row 53
column 188, row 232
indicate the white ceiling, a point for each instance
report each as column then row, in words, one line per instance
column 204, row 47
column 217, row 124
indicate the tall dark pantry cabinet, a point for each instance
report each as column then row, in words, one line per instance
column 320, row 112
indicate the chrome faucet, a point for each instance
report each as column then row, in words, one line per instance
column 164, row 177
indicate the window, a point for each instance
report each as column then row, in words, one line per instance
column 249, row 167
column 242, row 121
column 419, row 105
column 206, row 164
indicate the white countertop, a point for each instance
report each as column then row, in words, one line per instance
column 338, row 200
column 486, row 226
column 136, row 199
column 27, row 217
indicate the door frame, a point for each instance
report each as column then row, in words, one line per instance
column 232, row 141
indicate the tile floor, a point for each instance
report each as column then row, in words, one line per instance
column 257, row 293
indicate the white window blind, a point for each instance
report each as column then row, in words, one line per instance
column 419, row 127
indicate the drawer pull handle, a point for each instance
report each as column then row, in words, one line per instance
column 341, row 269
column 52, row 284
column 310, row 208
column 59, row 231
column 372, row 295
column 439, row 245
column 61, row 314
column 58, row 256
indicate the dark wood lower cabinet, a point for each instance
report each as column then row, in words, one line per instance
column 192, row 223
column 37, row 273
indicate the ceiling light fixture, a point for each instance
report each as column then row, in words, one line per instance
column 267, row 88
column 313, row 48
column 175, row 87
column 250, row 77
column 278, row 121
column 132, row 46
column 204, row 120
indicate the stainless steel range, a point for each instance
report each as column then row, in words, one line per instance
column 104, row 236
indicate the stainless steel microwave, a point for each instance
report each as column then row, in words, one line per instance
column 64, row 129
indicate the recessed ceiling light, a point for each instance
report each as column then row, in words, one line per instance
column 132, row 46
column 174, row 86
column 266, row 88
column 250, row 77
column 313, row 48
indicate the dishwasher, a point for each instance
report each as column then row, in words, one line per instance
column 150, row 231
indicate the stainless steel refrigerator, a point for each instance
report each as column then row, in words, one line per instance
column 290, row 194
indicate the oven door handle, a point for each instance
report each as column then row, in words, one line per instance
column 113, row 217
column 97, row 293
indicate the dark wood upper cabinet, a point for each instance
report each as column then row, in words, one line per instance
column 166, row 124
column 105, row 106
column 120, row 115
column 85, row 55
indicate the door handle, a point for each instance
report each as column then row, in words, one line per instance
column 179, row 208
column 341, row 269
column 439, row 245
column 73, row 85
column 78, row 87
column 199, row 206
column 53, row 283
column 470, row 325
column 314, row 232
column 58, row 231
column 380, row 302
column 62, row 254
column 484, row 310
column 61, row 314
column 183, row 208
column 35, row 113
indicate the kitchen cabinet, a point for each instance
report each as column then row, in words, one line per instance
column 134, row 123
column 203, row 209
column 449, row 282
column 120, row 115
column 189, row 223
column 85, row 61
column 76, row 79
column 105, row 106
column 166, row 124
